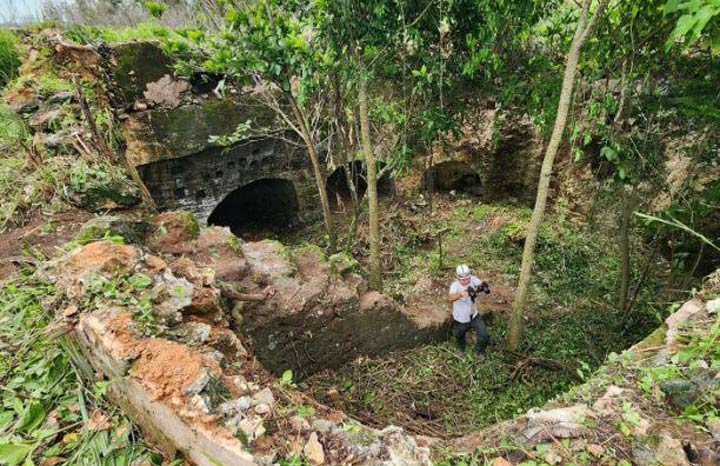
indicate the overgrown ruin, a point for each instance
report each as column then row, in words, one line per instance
column 203, row 328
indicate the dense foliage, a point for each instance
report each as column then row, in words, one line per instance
column 642, row 137
column 9, row 60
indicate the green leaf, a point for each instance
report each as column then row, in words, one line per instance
column 609, row 153
column 6, row 417
column 33, row 416
column 305, row 411
column 683, row 25
column 12, row 454
column 671, row 6
column 140, row 281
column 702, row 17
column 625, row 429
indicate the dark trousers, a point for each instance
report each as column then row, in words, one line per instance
column 482, row 336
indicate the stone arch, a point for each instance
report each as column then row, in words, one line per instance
column 452, row 176
column 339, row 192
column 268, row 205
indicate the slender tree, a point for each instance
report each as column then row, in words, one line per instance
column 374, row 221
column 354, row 29
column 584, row 28
column 274, row 43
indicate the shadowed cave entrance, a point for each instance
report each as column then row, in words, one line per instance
column 452, row 176
column 339, row 190
column 261, row 207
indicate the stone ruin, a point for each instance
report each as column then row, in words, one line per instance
column 178, row 321
column 263, row 183
column 195, row 309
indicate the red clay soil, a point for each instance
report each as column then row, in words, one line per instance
column 13, row 241
column 164, row 367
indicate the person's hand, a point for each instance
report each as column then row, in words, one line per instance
column 464, row 294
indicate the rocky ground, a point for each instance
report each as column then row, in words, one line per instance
column 156, row 320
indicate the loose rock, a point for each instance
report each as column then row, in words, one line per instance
column 262, row 408
column 195, row 387
column 264, row 396
column 595, row 450
column 313, row 450
column 659, row 450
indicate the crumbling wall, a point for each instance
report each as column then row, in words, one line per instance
column 163, row 340
column 168, row 124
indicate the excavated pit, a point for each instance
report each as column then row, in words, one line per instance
column 194, row 387
column 452, row 176
column 320, row 315
column 261, row 207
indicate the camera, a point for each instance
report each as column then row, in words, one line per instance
column 473, row 291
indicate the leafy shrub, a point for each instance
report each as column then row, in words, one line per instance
column 9, row 59
column 155, row 9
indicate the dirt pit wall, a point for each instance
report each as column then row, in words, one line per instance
column 319, row 314
column 153, row 321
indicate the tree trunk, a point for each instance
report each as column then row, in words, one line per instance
column 317, row 171
column 581, row 33
column 375, row 272
column 627, row 206
column 342, row 146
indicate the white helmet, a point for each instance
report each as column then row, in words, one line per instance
column 462, row 271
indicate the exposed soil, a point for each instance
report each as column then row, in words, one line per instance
column 165, row 368
column 39, row 238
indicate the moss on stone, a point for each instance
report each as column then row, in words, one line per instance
column 342, row 264
column 234, row 244
column 310, row 249
column 110, row 197
column 139, row 63
column 654, row 340
column 185, row 130
column 104, row 226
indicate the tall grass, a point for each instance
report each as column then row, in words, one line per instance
column 9, row 59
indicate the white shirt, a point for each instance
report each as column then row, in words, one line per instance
column 463, row 309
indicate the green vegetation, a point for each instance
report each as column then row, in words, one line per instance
column 572, row 324
column 175, row 41
column 9, row 59
column 57, row 181
column 49, row 409
column 642, row 137
column 44, row 85
column 155, row 9
column 46, row 165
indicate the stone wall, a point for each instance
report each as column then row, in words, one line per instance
column 168, row 123
column 497, row 156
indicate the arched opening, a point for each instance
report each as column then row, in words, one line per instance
column 452, row 176
column 339, row 190
column 256, row 209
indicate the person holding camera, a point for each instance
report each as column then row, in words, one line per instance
column 463, row 292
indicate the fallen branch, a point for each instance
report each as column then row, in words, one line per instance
column 543, row 362
column 95, row 133
column 231, row 293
